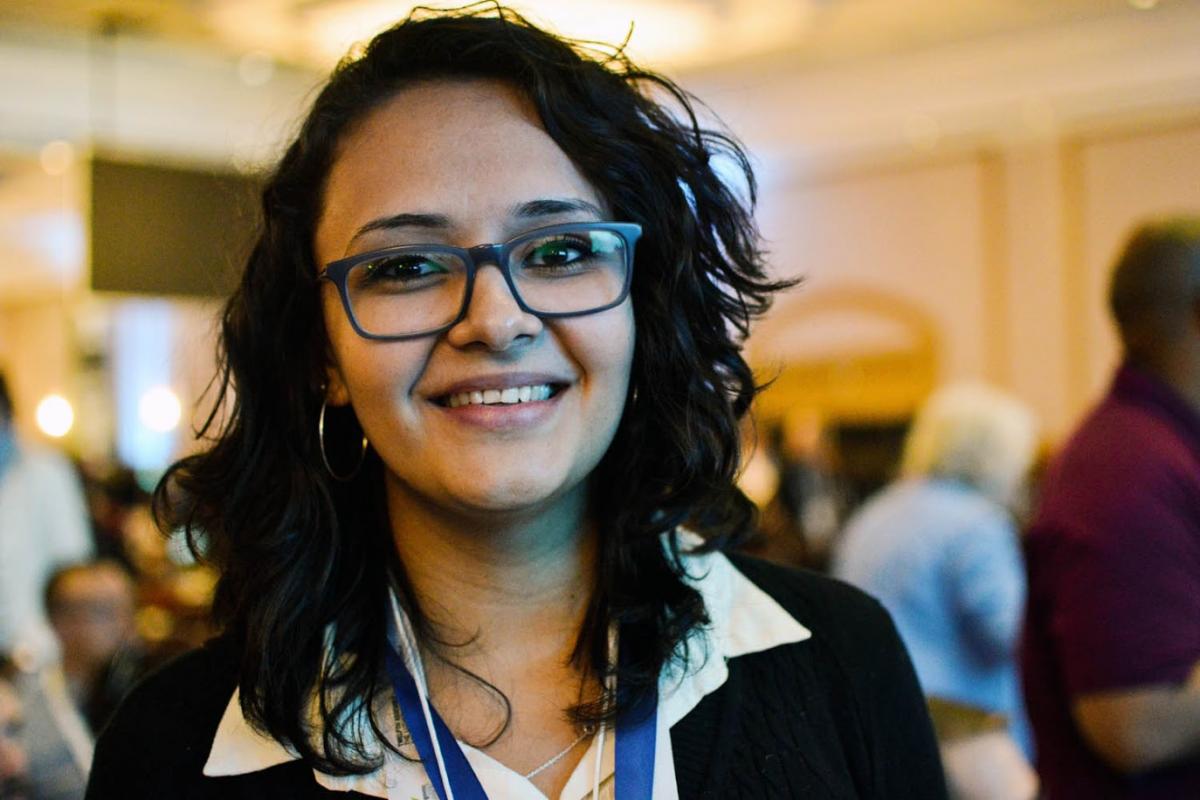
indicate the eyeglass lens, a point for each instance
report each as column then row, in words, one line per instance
column 412, row 290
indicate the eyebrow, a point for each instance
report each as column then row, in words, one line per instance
column 553, row 207
column 396, row 221
column 532, row 209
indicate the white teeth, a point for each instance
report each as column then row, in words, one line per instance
column 509, row 396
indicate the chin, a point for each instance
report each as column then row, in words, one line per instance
column 510, row 497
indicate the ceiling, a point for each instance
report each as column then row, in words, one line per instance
column 672, row 33
column 792, row 104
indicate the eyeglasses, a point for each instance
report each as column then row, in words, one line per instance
column 566, row 270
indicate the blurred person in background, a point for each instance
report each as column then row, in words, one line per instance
column 14, row 763
column 114, row 498
column 940, row 550
column 174, row 592
column 91, row 609
column 43, row 523
column 790, row 472
column 54, row 737
column 1111, row 659
column 810, row 488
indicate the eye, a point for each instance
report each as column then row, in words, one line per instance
column 557, row 252
column 403, row 268
column 402, row 272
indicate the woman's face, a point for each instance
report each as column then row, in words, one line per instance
column 468, row 163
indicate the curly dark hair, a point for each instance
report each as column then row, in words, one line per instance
column 300, row 554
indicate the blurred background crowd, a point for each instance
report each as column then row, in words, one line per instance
column 955, row 182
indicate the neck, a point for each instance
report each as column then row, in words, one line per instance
column 79, row 676
column 1190, row 391
column 1179, row 368
column 500, row 581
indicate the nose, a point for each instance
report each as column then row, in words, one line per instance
column 494, row 318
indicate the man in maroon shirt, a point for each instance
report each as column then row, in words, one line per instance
column 1111, row 655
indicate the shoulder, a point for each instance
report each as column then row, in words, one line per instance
column 196, row 681
column 164, row 728
column 36, row 459
column 839, row 713
column 796, row 619
column 42, row 475
column 854, row 647
column 1100, row 446
column 824, row 605
column 755, row 605
column 923, row 509
column 1099, row 484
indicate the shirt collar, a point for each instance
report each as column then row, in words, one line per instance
column 1135, row 384
column 743, row 619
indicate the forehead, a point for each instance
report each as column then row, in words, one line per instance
column 466, row 149
column 97, row 581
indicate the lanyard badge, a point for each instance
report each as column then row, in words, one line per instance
column 447, row 767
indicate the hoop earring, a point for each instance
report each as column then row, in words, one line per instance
column 325, row 459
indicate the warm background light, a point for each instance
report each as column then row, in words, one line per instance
column 55, row 415
column 56, row 157
column 659, row 32
column 159, row 409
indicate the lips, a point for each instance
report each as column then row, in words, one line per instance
column 510, row 396
column 500, row 390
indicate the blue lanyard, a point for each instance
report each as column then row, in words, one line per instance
column 636, row 732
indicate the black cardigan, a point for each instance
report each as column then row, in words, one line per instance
column 839, row 715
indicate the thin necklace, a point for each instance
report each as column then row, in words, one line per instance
column 587, row 731
column 403, row 738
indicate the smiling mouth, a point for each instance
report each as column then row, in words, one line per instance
column 510, row 396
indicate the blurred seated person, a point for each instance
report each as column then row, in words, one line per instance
column 43, row 522
column 55, row 744
column 91, row 608
column 940, row 550
column 14, row 764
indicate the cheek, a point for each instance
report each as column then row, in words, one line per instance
column 627, row 340
column 608, row 354
column 375, row 378
column 379, row 378
column 360, row 363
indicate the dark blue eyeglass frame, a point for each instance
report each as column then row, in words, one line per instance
column 336, row 272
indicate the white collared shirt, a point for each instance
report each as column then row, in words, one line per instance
column 744, row 619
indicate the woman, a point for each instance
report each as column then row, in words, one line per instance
column 940, row 550
column 451, row 491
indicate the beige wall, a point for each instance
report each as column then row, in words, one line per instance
column 1119, row 177
column 1003, row 254
column 960, row 204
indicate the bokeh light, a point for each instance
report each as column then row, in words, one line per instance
column 159, row 409
column 56, row 157
column 55, row 415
